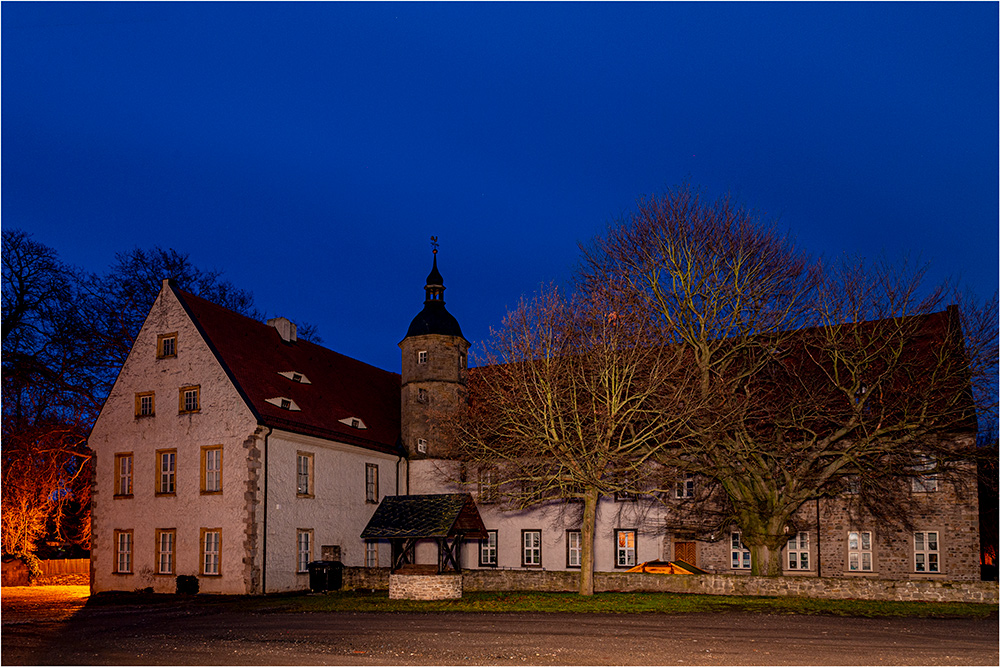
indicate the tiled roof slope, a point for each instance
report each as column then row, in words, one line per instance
column 254, row 355
column 432, row 515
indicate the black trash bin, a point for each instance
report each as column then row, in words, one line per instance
column 336, row 575
column 319, row 575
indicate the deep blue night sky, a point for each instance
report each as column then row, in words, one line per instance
column 310, row 150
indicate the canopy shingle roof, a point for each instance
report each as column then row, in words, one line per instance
column 434, row 515
column 254, row 355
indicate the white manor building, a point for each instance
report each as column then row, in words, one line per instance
column 231, row 450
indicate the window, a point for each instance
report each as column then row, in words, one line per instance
column 422, row 357
column 304, row 474
column 926, row 482
column 145, row 405
column 286, row 404
column 741, row 555
column 488, row 550
column 166, row 345
column 211, row 469
column 531, row 548
column 123, row 552
column 926, row 557
column 461, row 361
column 422, row 396
column 190, row 399
column 371, row 483
column 421, row 445
column 211, row 551
column 859, row 551
column 304, row 549
column 487, row 487
column 624, row 548
column 798, row 551
column 165, row 540
column 166, row 471
column 574, row 548
column 371, row 553
column 296, row 377
column 123, row 474
column 685, row 487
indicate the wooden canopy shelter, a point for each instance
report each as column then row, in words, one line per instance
column 447, row 518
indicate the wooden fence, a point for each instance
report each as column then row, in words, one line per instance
column 15, row 573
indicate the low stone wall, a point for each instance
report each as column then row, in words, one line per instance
column 861, row 588
column 425, row 586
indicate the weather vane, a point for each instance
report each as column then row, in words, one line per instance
column 434, row 244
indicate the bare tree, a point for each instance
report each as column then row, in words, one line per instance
column 806, row 375
column 567, row 406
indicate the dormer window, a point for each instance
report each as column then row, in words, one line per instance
column 284, row 403
column 295, row 376
column 354, row 422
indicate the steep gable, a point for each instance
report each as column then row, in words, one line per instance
column 333, row 392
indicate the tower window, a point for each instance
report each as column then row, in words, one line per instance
column 421, row 445
column 421, row 395
column 422, row 357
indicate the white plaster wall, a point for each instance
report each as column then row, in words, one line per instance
column 337, row 512
column 223, row 420
column 553, row 519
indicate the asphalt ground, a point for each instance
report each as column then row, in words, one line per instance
column 58, row 627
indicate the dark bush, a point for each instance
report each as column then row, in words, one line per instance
column 187, row 584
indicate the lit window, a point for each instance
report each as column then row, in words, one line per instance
column 145, row 404
column 123, row 474
column 371, row 553
column 165, row 540
column 211, row 551
column 926, row 555
column 574, row 548
column 740, row 554
column 123, row 552
column 798, row 551
column 685, row 487
column 166, row 470
column 422, row 357
column 624, row 548
column 304, row 549
column 166, row 345
column 859, row 551
column 304, row 473
column 531, row 552
column 371, row 483
column 488, row 550
column 211, row 469
column 190, row 399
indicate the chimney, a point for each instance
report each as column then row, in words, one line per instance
column 286, row 328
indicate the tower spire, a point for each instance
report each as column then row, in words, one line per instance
column 434, row 287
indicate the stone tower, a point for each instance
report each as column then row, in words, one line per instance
column 433, row 372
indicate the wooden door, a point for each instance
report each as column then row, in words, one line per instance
column 686, row 551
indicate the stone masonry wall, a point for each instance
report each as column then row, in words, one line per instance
column 425, row 586
column 833, row 588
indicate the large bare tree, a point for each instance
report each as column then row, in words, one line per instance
column 567, row 405
column 806, row 374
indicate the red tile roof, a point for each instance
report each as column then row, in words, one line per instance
column 253, row 354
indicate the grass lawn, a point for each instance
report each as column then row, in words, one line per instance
column 616, row 603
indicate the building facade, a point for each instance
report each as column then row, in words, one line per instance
column 231, row 450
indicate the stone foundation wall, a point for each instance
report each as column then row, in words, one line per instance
column 862, row 588
column 425, row 586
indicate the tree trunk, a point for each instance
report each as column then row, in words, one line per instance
column 590, row 499
column 765, row 559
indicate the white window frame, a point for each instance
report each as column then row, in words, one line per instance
column 741, row 559
column 927, row 552
column 211, row 552
column 625, row 543
column 422, row 357
column 371, row 553
column 211, row 462
column 123, row 474
column 488, row 552
column 371, row 483
column 422, row 445
column 860, row 555
column 799, row 557
column 166, row 541
column 531, row 548
column 924, row 483
column 166, row 471
column 304, row 477
column 574, row 548
column 303, row 549
column 684, row 488
column 123, row 551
